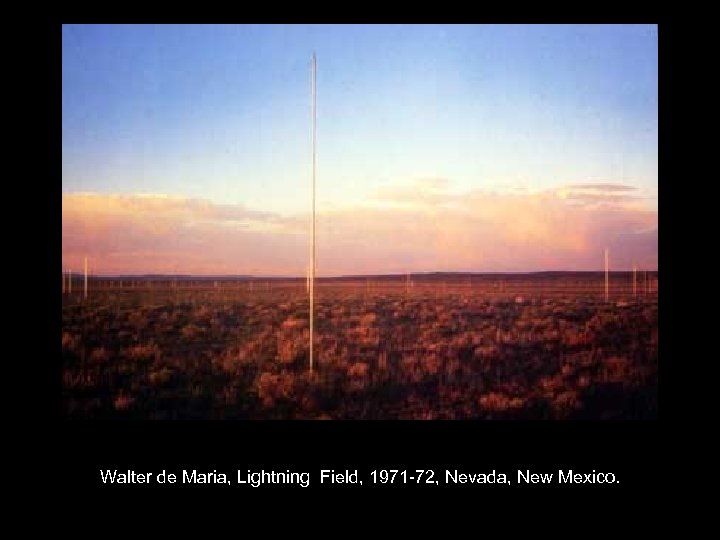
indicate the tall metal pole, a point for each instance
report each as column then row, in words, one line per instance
column 312, row 244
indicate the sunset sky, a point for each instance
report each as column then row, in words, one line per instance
column 186, row 149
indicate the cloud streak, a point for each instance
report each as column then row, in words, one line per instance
column 602, row 187
column 426, row 228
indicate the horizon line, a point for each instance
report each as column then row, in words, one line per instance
column 351, row 276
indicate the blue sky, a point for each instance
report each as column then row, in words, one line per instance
column 222, row 113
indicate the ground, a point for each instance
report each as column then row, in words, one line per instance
column 420, row 347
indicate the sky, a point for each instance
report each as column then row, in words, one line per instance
column 186, row 149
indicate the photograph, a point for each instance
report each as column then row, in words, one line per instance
column 359, row 222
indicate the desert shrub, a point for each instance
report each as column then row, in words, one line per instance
column 191, row 332
column 431, row 364
column 358, row 370
column 292, row 346
column 272, row 387
column 294, row 323
column 69, row 341
column 486, row 352
column 202, row 313
column 551, row 384
column 99, row 355
column 368, row 320
column 409, row 363
column 575, row 337
column 496, row 401
column 382, row 361
column 143, row 353
column 123, row 401
column 565, row 402
column 616, row 369
column 160, row 376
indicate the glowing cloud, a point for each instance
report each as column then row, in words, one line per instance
column 425, row 228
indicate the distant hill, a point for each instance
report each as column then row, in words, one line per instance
column 425, row 276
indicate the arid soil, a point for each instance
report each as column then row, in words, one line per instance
column 402, row 348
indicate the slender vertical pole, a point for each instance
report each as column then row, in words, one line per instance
column 634, row 280
column 63, row 276
column 312, row 244
column 85, row 292
column 607, row 285
column 69, row 280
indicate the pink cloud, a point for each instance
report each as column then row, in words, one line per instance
column 476, row 231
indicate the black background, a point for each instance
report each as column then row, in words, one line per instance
column 630, row 450
column 74, row 452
